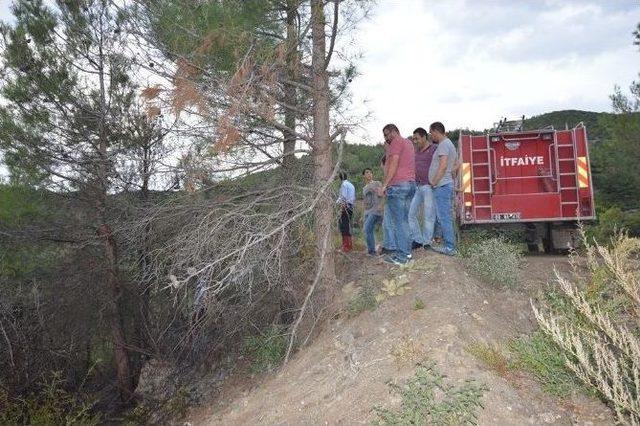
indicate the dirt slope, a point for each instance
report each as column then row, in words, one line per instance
column 343, row 373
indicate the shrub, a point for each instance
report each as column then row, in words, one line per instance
column 612, row 220
column 495, row 260
column 541, row 357
column 426, row 399
column 364, row 300
column 51, row 405
column 267, row 350
column 601, row 347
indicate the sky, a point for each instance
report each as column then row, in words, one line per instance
column 467, row 63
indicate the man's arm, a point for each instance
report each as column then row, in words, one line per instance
column 442, row 168
column 391, row 172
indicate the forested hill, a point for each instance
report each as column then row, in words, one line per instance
column 594, row 121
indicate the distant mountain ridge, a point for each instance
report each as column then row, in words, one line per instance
column 593, row 121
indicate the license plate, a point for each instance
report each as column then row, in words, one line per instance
column 506, row 216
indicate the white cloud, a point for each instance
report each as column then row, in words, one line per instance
column 468, row 63
column 5, row 11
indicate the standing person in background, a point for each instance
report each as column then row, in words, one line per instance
column 372, row 209
column 399, row 186
column 346, row 200
column 422, row 203
column 441, row 181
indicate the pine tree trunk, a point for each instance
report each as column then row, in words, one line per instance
column 323, row 163
column 124, row 374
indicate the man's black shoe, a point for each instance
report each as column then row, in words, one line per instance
column 415, row 245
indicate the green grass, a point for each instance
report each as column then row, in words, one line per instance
column 539, row 355
column 364, row 300
column 266, row 350
column 418, row 304
column 427, row 399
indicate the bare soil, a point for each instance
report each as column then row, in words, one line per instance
column 344, row 372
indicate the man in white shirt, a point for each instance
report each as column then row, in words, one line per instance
column 346, row 200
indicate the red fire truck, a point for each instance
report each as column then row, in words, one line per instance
column 536, row 179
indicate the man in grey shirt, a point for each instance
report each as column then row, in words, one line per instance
column 441, row 180
column 372, row 209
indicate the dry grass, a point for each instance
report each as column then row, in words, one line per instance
column 406, row 352
column 492, row 356
column 602, row 348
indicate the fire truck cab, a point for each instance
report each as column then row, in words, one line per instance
column 537, row 179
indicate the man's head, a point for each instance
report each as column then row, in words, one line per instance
column 436, row 130
column 390, row 131
column 342, row 176
column 367, row 174
column 420, row 137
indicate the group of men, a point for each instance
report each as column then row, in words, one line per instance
column 414, row 198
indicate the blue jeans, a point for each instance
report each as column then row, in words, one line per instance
column 422, row 205
column 443, row 196
column 398, row 199
column 388, row 237
column 370, row 222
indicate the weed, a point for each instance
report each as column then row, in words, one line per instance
column 492, row 356
column 427, row 399
column 51, row 405
column 599, row 343
column 495, row 260
column 395, row 286
column 267, row 350
column 418, row 304
column 540, row 356
column 364, row 300
column 407, row 351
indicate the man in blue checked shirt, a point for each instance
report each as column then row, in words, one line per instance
column 346, row 200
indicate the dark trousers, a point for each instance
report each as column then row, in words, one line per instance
column 345, row 220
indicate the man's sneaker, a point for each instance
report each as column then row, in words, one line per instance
column 390, row 259
column 445, row 251
column 384, row 250
column 427, row 247
column 395, row 260
column 415, row 245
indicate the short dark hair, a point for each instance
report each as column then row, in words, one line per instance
column 342, row 175
column 437, row 126
column 422, row 132
column 391, row 128
column 365, row 170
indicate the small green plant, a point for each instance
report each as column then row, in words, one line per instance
column 267, row 350
column 418, row 304
column 426, row 399
column 364, row 300
column 495, row 260
column 540, row 356
column 492, row 356
column 394, row 286
column 51, row 405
